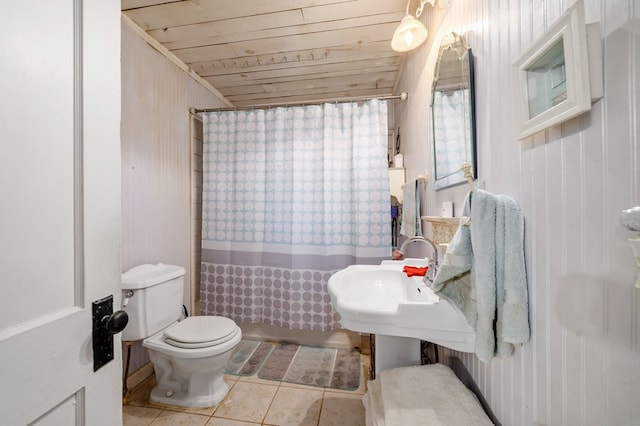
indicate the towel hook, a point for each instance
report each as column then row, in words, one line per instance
column 419, row 179
column 468, row 175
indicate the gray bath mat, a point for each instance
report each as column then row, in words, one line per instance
column 289, row 362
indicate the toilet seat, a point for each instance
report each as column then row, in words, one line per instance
column 200, row 332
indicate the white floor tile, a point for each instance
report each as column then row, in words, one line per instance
column 295, row 406
column 340, row 408
column 175, row 418
column 247, row 401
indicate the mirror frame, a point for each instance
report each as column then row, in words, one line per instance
column 453, row 178
column 572, row 61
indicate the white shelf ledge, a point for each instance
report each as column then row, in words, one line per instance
column 444, row 228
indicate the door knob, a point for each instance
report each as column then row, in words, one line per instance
column 116, row 322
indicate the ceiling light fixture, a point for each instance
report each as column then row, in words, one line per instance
column 411, row 33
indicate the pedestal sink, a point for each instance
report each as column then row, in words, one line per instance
column 382, row 300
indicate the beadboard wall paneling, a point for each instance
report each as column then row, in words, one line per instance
column 156, row 162
column 156, row 168
column 582, row 365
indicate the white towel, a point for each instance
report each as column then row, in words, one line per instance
column 411, row 199
column 428, row 395
column 373, row 404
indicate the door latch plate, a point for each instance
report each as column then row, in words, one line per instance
column 102, row 338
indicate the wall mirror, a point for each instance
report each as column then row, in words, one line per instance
column 452, row 113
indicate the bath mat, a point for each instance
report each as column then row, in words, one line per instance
column 311, row 366
column 289, row 362
column 254, row 363
column 248, row 357
column 243, row 351
column 346, row 370
column 278, row 362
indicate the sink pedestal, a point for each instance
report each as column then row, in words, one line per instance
column 394, row 351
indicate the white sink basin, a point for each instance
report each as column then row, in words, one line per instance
column 381, row 299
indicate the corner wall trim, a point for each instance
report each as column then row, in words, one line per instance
column 173, row 58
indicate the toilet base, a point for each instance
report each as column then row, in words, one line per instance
column 183, row 399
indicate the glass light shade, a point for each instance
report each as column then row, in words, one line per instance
column 409, row 34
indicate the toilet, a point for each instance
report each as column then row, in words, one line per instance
column 188, row 354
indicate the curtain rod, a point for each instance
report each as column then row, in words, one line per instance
column 401, row 96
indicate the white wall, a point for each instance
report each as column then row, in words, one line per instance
column 156, row 168
column 582, row 365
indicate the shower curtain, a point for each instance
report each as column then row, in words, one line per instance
column 290, row 196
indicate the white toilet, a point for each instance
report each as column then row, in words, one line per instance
column 189, row 355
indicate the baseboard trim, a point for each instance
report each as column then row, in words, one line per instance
column 140, row 375
column 340, row 339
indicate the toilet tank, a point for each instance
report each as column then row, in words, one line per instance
column 152, row 297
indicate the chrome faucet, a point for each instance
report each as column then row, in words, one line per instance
column 433, row 262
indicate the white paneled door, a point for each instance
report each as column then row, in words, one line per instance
column 59, row 209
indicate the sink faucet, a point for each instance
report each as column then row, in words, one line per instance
column 433, row 263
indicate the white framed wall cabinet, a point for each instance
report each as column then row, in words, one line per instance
column 554, row 74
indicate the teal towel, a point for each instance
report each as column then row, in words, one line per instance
column 483, row 243
column 411, row 223
column 453, row 280
column 483, row 274
column 513, row 316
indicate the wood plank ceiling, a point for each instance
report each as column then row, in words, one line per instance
column 258, row 52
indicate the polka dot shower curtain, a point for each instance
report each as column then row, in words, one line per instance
column 290, row 196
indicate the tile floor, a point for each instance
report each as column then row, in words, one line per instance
column 253, row 401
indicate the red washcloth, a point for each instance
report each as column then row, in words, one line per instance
column 415, row 271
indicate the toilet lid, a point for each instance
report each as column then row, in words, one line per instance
column 200, row 332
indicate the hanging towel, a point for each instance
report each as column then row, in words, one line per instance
column 483, row 274
column 483, row 244
column 411, row 199
column 453, row 280
column 514, row 302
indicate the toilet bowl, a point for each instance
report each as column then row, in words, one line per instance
column 188, row 355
